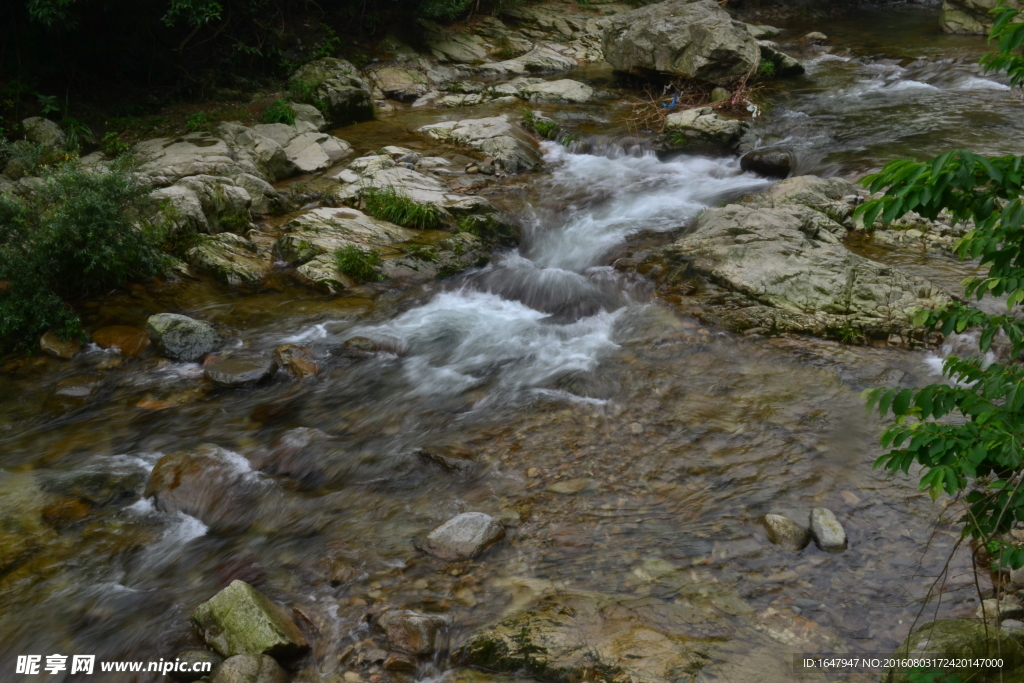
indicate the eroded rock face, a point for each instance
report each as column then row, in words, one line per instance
column 240, row 620
column 182, row 338
column 782, row 252
column 230, row 258
column 463, row 536
column 702, row 126
column 167, row 160
column 565, row 91
column 322, row 231
column 692, row 38
column 508, row 144
column 969, row 16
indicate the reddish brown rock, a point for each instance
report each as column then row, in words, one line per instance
column 297, row 360
column 52, row 346
column 130, row 341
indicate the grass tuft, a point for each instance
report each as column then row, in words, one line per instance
column 362, row 265
column 279, row 111
column 389, row 204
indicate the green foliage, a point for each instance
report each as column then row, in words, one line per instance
column 1009, row 38
column 546, row 129
column 330, row 44
column 389, row 204
column 29, row 158
column 75, row 133
column 74, row 236
column 198, row 121
column 236, row 222
column 444, row 10
column 765, row 70
column 422, row 252
column 279, row 111
column 359, row 264
column 966, row 435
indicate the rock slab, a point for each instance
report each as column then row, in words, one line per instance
column 238, row 370
column 463, row 537
column 240, row 620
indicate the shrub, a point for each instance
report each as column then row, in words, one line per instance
column 29, row 158
column 444, row 10
column 359, row 264
column 965, row 434
column 279, row 111
column 765, row 70
column 198, row 121
column 74, row 236
column 390, row 205
column 75, row 133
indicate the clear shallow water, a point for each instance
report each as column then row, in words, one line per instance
column 677, row 436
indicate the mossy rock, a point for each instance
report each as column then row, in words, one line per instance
column 967, row 638
column 240, row 620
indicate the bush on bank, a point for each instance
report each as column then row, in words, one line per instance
column 79, row 233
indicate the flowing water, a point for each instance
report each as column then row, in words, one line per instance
column 546, row 367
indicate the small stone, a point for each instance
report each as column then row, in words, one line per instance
column 130, row 341
column 636, row 428
column 827, row 531
column 191, row 658
column 787, row 533
column 352, row 677
column 249, row 669
column 992, row 610
column 240, row 620
column 533, row 472
column 472, row 168
column 375, row 655
column 240, row 370
column 52, row 346
column 463, row 537
column 414, row 633
column 771, row 163
column 850, row 497
column 815, row 38
column 181, row 338
column 298, row 360
column 397, row 661
column 720, row 94
column 361, row 347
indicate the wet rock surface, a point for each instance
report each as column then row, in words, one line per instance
column 463, row 537
column 786, row 533
column 191, row 659
column 414, row 633
column 240, row 369
column 241, row 621
column 827, row 531
column 249, row 668
column 182, row 338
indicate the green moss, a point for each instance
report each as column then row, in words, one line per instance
column 389, row 204
column 765, row 70
column 362, row 265
column 198, row 121
column 423, row 252
column 236, row 222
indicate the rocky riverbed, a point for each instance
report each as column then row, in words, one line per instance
column 542, row 438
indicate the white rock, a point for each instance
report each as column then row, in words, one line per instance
column 827, row 531
column 464, row 536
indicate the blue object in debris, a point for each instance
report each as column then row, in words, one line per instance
column 675, row 101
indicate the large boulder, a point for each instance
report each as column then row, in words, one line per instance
column 509, row 145
column 420, row 188
column 335, row 83
column 167, row 160
column 967, row 640
column 565, row 91
column 182, row 338
column 791, row 261
column 541, row 59
column 692, row 38
column 240, row 620
column 43, row 131
column 970, row 16
column 229, row 258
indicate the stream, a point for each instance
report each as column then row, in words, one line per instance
column 546, row 366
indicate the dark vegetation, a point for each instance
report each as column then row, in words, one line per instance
column 80, row 233
column 73, row 57
column 967, row 435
